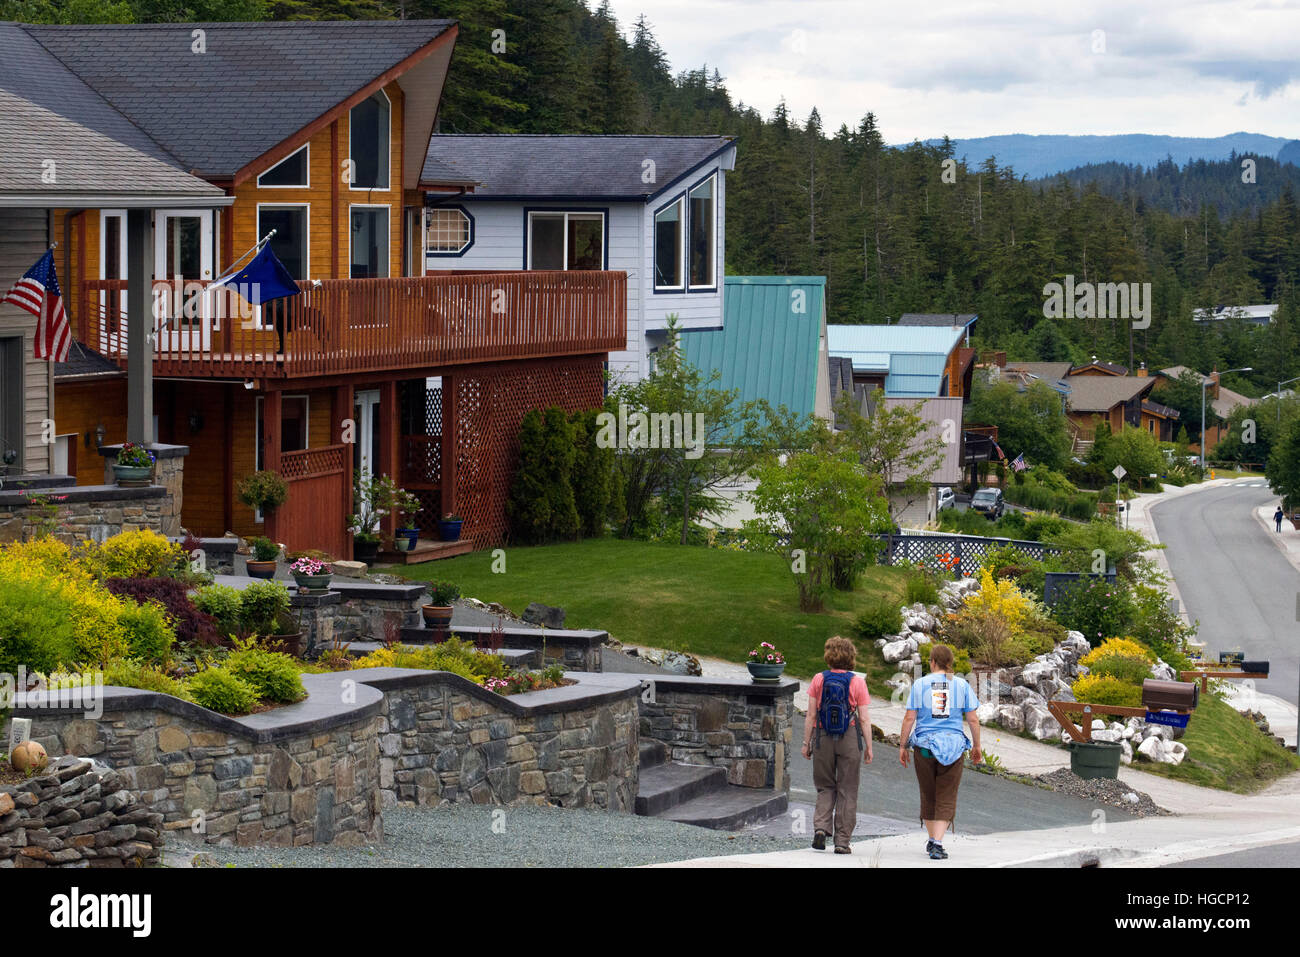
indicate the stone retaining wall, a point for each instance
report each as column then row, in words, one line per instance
column 76, row 816
column 747, row 729
column 93, row 512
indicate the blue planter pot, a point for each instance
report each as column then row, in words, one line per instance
column 132, row 474
column 405, row 538
column 762, row 671
column 449, row 531
column 313, row 582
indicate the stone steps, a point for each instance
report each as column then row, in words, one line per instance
column 699, row 793
column 730, row 808
column 664, row 786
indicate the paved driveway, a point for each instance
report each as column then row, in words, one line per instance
column 1233, row 579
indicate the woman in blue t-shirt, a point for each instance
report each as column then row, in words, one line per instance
column 936, row 708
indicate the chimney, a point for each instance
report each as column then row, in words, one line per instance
column 1142, row 370
column 1214, row 384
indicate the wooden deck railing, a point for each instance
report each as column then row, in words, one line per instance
column 340, row 326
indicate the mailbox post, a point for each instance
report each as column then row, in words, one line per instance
column 1176, row 699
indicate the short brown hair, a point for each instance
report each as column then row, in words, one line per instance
column 941, row 657
column 840, row 653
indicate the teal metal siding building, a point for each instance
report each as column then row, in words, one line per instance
column 772, row 344
column 912, row 359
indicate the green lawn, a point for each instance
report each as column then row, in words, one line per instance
column 1226, row 751
column 707, row 601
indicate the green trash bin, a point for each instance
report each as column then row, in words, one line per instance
column 1095, row 759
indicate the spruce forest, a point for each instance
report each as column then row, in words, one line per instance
column 890, row 231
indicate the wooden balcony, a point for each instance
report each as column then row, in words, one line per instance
column 346, row 326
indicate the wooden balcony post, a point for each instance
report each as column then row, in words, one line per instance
column 271, row 447
column 342, row 434
column 450, row 412
column 389, row 463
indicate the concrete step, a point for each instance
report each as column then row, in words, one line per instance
column 652, row 754
column 665, row 786
column 729, row 808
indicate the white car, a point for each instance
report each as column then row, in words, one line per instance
column 947, row 498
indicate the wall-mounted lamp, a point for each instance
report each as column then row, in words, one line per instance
column 196, row 421
column 249, row 384
column 97, row 436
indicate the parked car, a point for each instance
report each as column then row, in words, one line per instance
column 988, row 502
column 947, row 498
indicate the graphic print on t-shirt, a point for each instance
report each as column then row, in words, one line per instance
column 940, row 699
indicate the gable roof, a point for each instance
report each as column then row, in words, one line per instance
column 1101, row 393
column 256, row 84
column 962, row 319
column 49, row 115
column 568, row 167
column 763, row 349
column 913, row 358
column 1109, row 368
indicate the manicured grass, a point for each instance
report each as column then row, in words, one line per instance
column 1226, row 751
column 713, row 602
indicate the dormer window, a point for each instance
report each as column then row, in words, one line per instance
column 369, row 124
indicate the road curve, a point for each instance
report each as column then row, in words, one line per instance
column 1232, row 579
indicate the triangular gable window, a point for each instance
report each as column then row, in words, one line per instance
column 290, row 171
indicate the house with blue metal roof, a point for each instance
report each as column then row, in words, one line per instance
column 907, row 362
column 772, row 344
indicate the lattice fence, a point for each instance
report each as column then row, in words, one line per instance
column 492, row 403
column 958, row 554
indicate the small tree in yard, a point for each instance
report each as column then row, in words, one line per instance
column 896, row 443
column 827, row 507
column 541, row 506
column 1283, row 470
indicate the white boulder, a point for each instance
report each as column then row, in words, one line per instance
column 896, row 651
column 1176, row 751
column 1107, row 735
column 987, row 712
column 1011, row 718
column 1153, row 749
column 1126, row 752
column 1040, row 723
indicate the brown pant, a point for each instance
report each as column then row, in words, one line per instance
column 939, row 783
column 837, row 769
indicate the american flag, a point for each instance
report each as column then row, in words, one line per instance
column 1019, row 463
column 38, row 293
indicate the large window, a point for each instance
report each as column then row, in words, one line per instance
column 702, row 235
column 290, row 240
column 563, row 240
column 447, row 231
column 369, row 229
column 668, row 246
column 368, row 128
column 290, row 171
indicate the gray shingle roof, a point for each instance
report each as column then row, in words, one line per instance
column 48, row 114
column 84, row 362
column 589, row 167
column 936, row 318
column 256, row 84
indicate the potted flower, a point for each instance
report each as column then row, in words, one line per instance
column 367, row 496
column 365, row 546
column 407, row 505
column 311, row 573
column 265, row 554
column 264, row 490
column 449, row 527
column 765, row 662
column 437, row 614
column 134, row 465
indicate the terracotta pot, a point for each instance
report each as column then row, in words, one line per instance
column 437, row 618
column 261, row 569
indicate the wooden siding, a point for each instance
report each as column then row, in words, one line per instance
column 23, row 239
column 82, row 407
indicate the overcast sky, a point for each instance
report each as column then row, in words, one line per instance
column 977, row 68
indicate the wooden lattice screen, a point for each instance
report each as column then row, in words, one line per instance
column 491, row 405
column 960, row 555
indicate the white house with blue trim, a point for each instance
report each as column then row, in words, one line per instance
column 651, row 206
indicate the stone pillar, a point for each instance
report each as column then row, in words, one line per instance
column 169, row 472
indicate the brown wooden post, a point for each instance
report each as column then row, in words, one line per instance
column 335, row 173
column 450, row 413
column 271, row 447
column 228, row 458
column 388, row 460
column 345, row 428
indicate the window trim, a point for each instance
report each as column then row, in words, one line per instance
column 388, row 183
column 713, row 255
column 306, row 185
column 424, row 232
column 603, row 211
column 306, row 259
column 684, row 259
column 388, row 259
column 105, row 214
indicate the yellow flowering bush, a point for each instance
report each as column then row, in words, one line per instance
column 1118, row 647
column 1104, row 689
column 139, row 554
column 1000, row 598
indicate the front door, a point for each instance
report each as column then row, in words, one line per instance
column 183, row 253
column 366, row 453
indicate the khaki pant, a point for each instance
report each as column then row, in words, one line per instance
column 837, row 769
column 938, row 783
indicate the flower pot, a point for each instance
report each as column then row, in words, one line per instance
column 261, row 569
column 319, row 582
column 437, row 618
column 132, row 476
column 764, row 671
column 365, row 551
column 289, row 644
column 449, row 529
column 404, row 539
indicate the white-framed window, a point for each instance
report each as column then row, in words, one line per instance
column 292, row 172
column 368, row 241
column 703, row 244
column 112, row 244
column 448, row 231
column 669, row 229
column 292, row 225
column 369, row 141
column 562, row 239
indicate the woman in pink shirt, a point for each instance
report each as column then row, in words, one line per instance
column 836, row 732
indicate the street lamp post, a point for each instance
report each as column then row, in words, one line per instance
column 1204, row 385
column 1279, row 396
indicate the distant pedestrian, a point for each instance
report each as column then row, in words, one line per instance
column 1277, row 518
column 936, row 707
column 837, row 736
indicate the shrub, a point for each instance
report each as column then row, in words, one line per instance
column 1129, row 670
column 878, row 620
column 1104, row 689
column 923, row 587
column 593, row 472
column 140, row 554
column 1094, row 607
column 221, row 603
column 1001, row 599
column 218, row 690
column 35, row 630
column 132, row 673
column 458, row 657
column 192, row 625
column 274, row 675
column 261, row 606
column 1115, row 647
column 541, row 505
column 264, row 550
column 149, row 632
column 264, row 490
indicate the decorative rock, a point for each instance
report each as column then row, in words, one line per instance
column 1098, row 724
column 349, row 569
column 1153, row 749
column 1040, row 723
column 1011, row 718
column 545, row 615
column 1106, row 735
column 896, row 651
column 1126, row 752
column 1175, row 752
column 987, row 712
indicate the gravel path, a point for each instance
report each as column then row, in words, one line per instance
column 1104, row 791
column 463, row 836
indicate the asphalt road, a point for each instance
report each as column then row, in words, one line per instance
column 1271, row 855
column 1232, row 579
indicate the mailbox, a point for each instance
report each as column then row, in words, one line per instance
column 1231, row 657
column 1255, row 667
column 1171, row 695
